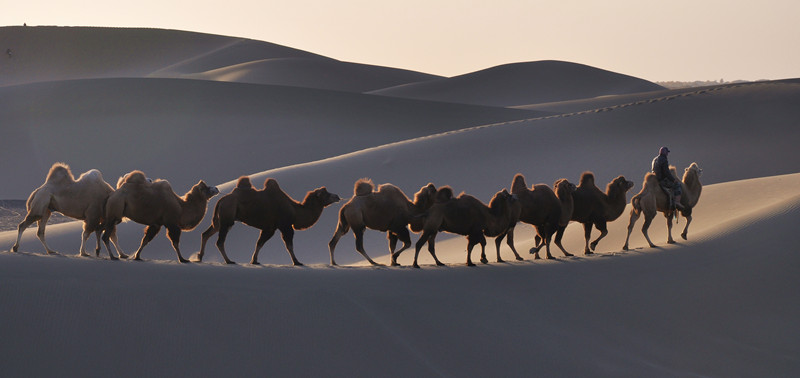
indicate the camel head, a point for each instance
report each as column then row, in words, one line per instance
column 323, row 196
column 693, row 168
column 619, row 185
column 506, row 204
column 426, row 196
column 503, row 197
column 204, row 190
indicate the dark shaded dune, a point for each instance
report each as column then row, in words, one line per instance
column 187, row 129
column 524, row 83
column 315, row 73
column 46, row 53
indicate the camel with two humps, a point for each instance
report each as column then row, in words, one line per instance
column 268, row 209
column 83, row 199
column 155, row 205
column 593, row 207
column 387, row 209
column 544, row 209
column 652, row 199
column 468, row 216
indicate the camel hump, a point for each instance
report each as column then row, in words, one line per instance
column 587, row 178
column 363, row 187
column 444, row 194
column 518, row 184
column 674, row 171
column 271, row 184
column 244, row 183
column 59, row 172
column 133, row 177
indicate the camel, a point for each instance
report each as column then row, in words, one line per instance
column 652, row 199
column 82, row 199
column 386, row 210
column 154, row 204
column 268, row 209
column 545, row 209
column 468, row 216
column 592, row 207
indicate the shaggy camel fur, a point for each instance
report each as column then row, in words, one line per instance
column 387, row 210
column 542, row 208
column 155, row 204
column 592, row 207
column 652, row 199
column 81, row 199
column 468, row 216
column 268, row 209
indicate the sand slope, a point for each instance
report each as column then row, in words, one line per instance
column 314, row 73
column 524, row 83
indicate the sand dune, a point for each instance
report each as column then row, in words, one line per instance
column 722, row 303
column 314, row 73
column 524, row 83
column 185, row 130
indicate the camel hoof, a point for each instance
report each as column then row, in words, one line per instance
column 683, row 235
column 439, row 263
column 550, row 257
column 376, row 264
column 113, row 258
column 568, row 254
column 484, row 261
column 470, row 264
column 518, row 258
column 415, row 265
column 298, row 263
column 196, row 258
column 183, row 261
column 625, row 247
column 670, row 241
column 394, row 263
column 252, row 262
column 122, row 255
column 500, row 260
column 588, row 253
column 533, row 250
column 52, row 252
column 82, row 254
column 229, row 262
column 15, row 248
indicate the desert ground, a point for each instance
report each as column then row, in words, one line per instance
column 186, row 107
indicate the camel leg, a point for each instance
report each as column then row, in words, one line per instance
column 84, row 237
column 405, row 237
column 547, row 238
column 40, row 233
column 341, row 230
column 631, row 222
column 149, row 233
column 686, row 228
column 471, row 242
column 223, row 235
column 97, row 234
column 359, row 232
column 497, row 241
column 262, row 238
column 432, row 249
column 559, row 235
column 603, row 232
column 288, row 234
column 537, row 243
column 648, row 219
column 110, row 233
column 510, row 242
column 670, row 240
column 174, row 235
column 29, row 220
column 422, row 240
column 484, row 260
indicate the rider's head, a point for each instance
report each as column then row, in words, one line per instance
column 663, row 151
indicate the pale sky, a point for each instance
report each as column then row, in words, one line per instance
column 654, row 40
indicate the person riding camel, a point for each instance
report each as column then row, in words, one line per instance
column 667, row 181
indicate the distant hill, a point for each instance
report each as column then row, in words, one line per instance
column 312, row 73
column 524, row 83
column 51, row 53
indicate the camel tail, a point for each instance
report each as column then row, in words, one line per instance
column 343, row 226
column 636, row 205
column 363, row 187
